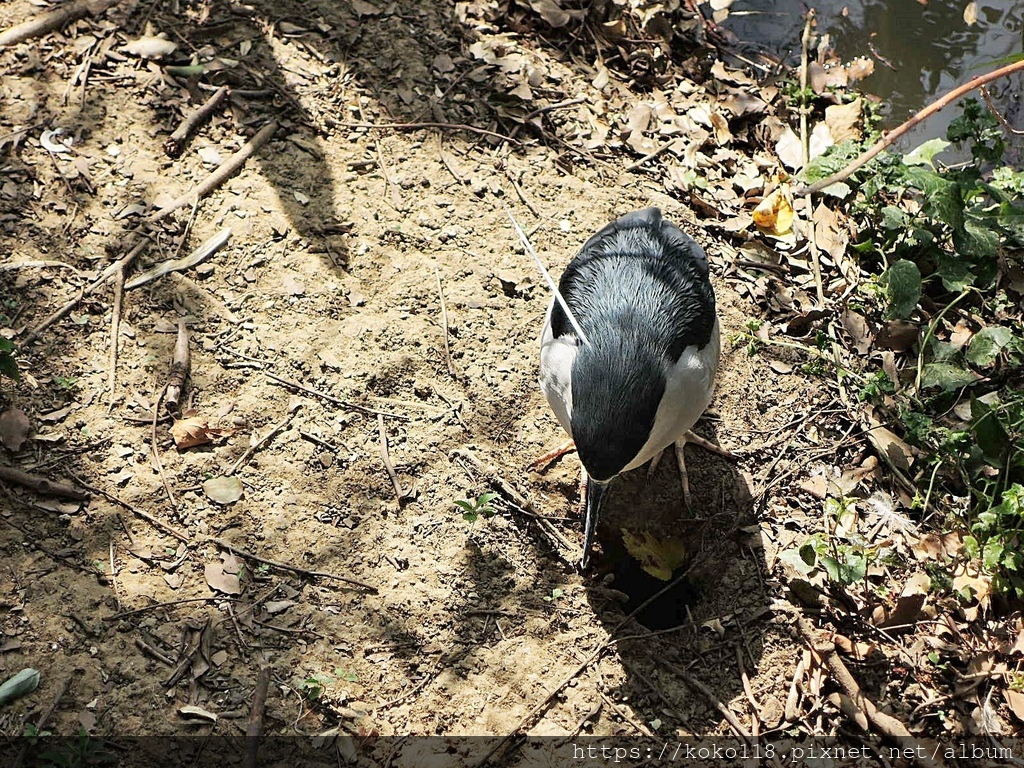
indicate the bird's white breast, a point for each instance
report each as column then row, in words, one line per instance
column 556, row 361
column 688, row 389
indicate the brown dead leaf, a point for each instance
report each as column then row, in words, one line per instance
column 971, row 583
column 888, row 443
column 941, row 547
column 855, row 649
column 14, row 429
column 908, row 607
column 191, row 431
column 897, row 335
column 722, row 133
column 775, row 213
column 1015, row 701
column 844, row 120
column 856, row 325
column 223, row 576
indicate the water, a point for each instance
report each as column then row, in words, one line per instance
column 930, row 45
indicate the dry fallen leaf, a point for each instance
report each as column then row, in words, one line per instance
column 908, row 607
column 147, row 47
column 843, row 120
column 191, row 710
column 223, row 576
column 223, row 490
column 191, row 431
column 658, row 557
column 14, row 429
column 775, row 213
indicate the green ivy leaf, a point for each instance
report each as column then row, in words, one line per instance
column 902, row 285
column 945, row 376
column 925, row 154
column 976, row 241
column 987, row 344
column 954, row 272
column 989, row 433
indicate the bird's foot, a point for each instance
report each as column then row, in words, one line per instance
column 544, row 461
column 684, row 478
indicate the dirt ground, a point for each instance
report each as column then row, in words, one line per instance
column 342, row 241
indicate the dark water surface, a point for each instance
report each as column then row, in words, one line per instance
column 930, row 45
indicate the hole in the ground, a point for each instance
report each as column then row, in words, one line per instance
column 669, row 610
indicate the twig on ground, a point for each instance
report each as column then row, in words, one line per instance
column 115, row 332
column 42, row 485
column 181, row 362
column 198, row 256
column 176, row 141
column 41, row 723
column 521, row 194
column 170, row 529
column 226, row 170
column 146, row 648
column 444, row 324
column 331, row 398
column 385, row 456
column 559, row 543
column 55, row 19
column 887, row 725
column 997, row 114
column 286, row 567
column 121, row 265
column 293, row 408
column 431, row 675
column 598, row 652
column 755, row 708
column 159, row 465
column 389, row 186
column 553, row 107
column 894, row 134
column 421, row 126
column 255, row 728
column 170, row 604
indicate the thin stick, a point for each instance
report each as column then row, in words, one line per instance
column 887, row 725
column 176, row 141
column 894, row 134
column 444, row 325
column 42, row 485
column 612, row 640
column 121, row 264
column 292, row 410
column 169, row 529
column 41, row 724
column 226, row 170
column 400, row 492
column 419, row 126
column 55, row 19
column 255, row 729
column 115, row 330
column 170, row 604
column 708, row 694
column 805, row 43
column 181, row 362
column 286, row 567
column 490, row 475
column 331, row 398
column 156, row 451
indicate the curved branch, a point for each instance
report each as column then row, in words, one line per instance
column 894, row 134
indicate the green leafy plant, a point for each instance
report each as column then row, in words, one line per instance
column 475, row 508
column 8, row 364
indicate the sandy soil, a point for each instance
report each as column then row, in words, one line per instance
column 342, row 239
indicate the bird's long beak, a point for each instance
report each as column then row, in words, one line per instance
column 595, row 497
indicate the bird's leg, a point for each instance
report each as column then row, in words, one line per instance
column 549, row 457
column 654, row 463
column 693, row 437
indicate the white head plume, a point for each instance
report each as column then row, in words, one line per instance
column 547, row 276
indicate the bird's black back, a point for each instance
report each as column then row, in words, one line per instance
column 640, row 291
column 642, row 264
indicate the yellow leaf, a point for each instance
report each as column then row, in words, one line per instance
column 775, row 213
column 658, row 557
